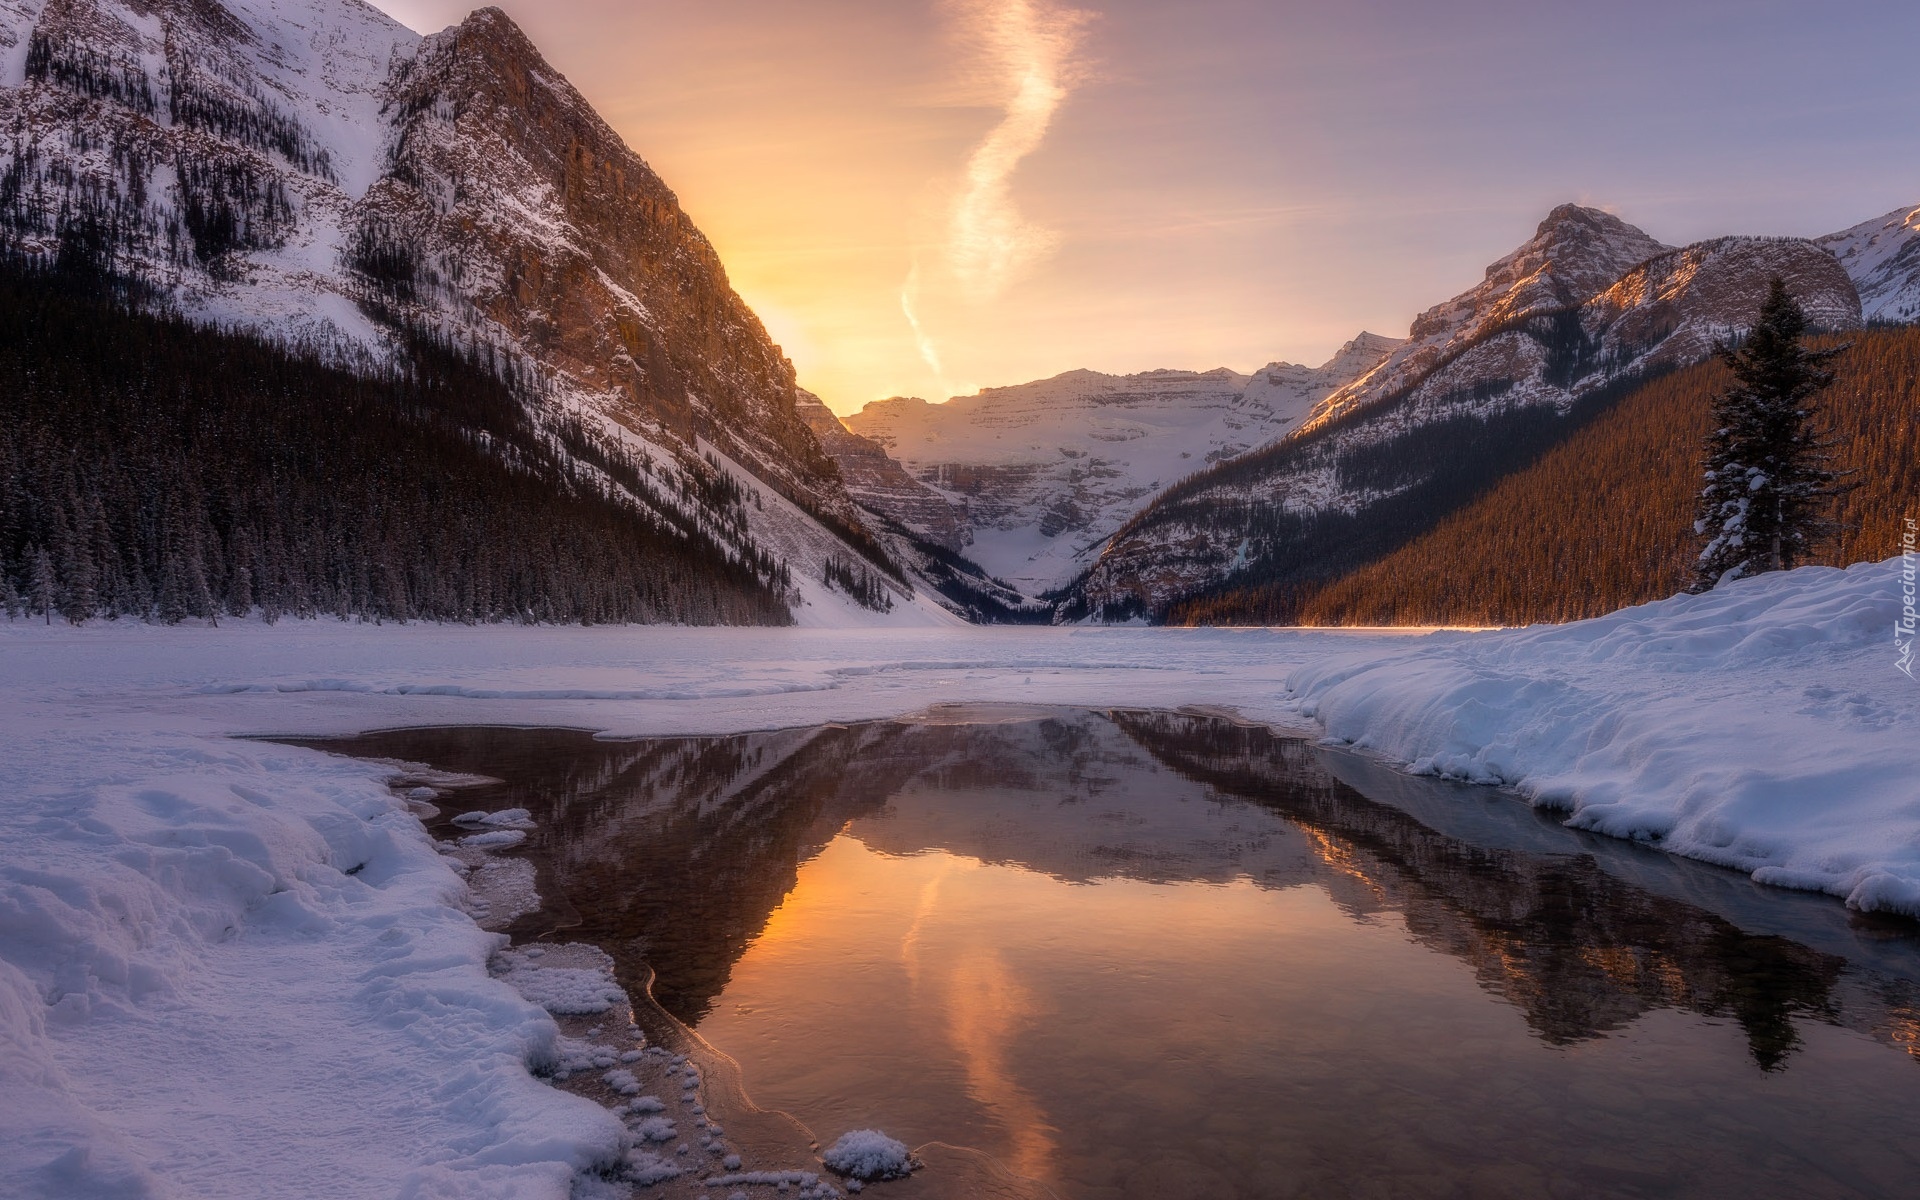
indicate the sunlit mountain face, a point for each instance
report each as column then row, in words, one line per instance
column 928, row 198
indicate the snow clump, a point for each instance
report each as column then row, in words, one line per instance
column 868, row 1154
column 512, row 818
column 622, row 1082
column 497, row 839
column 654, row 1129
column 563, row 991
column 646, row 1168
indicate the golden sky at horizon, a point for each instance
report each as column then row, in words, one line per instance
column 1126, row 184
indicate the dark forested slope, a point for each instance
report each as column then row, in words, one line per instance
column 1603, row 519
column 155, row 469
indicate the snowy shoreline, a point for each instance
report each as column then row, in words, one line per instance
column 1763, row 727
column 233, row 967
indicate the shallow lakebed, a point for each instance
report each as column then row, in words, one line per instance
column 1147, row 954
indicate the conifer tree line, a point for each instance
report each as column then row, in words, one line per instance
column 866, row 587
column 1604, row 519
column 156, row 470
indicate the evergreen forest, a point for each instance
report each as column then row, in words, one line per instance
column 153, row 469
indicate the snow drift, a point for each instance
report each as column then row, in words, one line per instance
column 201, row 948
column 1763, row 726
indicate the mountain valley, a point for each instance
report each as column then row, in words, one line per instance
column 315, row 175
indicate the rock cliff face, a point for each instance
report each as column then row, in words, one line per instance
column 879, row 484
column 504, row 192
column 1043, row 473
column 1586, row 304
column 1883, row 257
column 314, row 170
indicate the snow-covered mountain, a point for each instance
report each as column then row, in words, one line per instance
column 312, row 170
column 1587, row 303
column 1041, row 474
column 1883, row 258
column 315, row 171
column 880, row 484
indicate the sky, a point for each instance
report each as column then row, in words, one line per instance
column 927, row 197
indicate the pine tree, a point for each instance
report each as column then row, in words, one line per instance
column 240, row 578
column 78, row 598
column 1768, row 485
column 42, row 587
column 10, row 597
column 173, row 606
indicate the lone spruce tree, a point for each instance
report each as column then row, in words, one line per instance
column 1769, row 486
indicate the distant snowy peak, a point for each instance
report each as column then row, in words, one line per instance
column 1359, row 356
column 1289, row 390
column 1043, row 472
column 1083, row 409
column 881, row 485
column 1030, row 422
column 1883, row 258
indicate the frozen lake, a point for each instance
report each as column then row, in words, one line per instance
column 1153, row 954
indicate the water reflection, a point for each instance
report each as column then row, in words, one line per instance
column 1578, row 951
column 1142, row 953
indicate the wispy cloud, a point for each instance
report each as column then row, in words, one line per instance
column 1029, row 58
column 909, row 298
column 1032, row 46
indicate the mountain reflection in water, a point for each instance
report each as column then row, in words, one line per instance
column 925, row 920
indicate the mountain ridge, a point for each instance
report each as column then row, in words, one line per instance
column 1519, row 349
column 1587, row 300
column 315, row 172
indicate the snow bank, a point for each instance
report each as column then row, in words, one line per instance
column 235, row 970
column 1763, row 726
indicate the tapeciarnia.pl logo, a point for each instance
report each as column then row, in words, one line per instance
column 1903, row 627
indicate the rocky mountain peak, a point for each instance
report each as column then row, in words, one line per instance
column 1583, row 249
column 1573, row 253
column 508, row 193
column 1361, row 354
